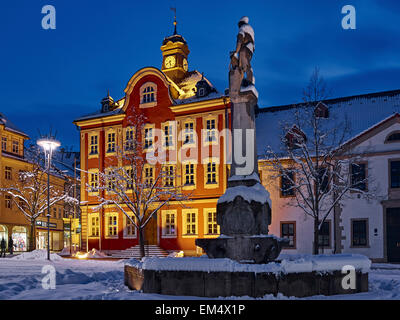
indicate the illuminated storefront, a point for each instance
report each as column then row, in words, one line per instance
column 72, row 235
column 56, row 235
column 20, row 238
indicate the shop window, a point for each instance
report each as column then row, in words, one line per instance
column 3, row 233
column 19, row 236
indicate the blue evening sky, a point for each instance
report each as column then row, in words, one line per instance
column 49, row 78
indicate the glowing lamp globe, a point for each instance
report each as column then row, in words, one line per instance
column 48, row 144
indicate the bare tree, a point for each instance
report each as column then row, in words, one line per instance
column 138, row 189
column 315, row 163
column 28, row 191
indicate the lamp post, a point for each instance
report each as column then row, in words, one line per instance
column 48, row 145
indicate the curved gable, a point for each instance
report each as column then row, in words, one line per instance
column 149, row 74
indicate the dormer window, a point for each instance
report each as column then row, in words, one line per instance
column 295, row 137
column 148, row 95
column 321, row 111
column 202, row 92
column 393, row 137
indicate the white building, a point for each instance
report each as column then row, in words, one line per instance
column 356, row 226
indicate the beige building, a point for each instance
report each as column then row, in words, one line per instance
column 12, row 221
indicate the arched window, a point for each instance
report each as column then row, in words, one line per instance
column 148, row 95
column 393, row 137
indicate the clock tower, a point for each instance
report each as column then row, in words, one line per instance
column 175, row 53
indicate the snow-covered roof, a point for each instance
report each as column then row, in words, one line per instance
column 99, row 114
column 10, row 126
column 362, row 112
column 188, row 85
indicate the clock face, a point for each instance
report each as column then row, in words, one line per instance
column 170, row 62
column 185, row 65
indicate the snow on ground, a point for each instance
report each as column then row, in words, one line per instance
column 21, row 279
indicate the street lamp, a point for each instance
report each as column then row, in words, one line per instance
column 48, row 145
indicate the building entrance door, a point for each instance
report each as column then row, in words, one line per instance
column 393, row 234
column 150, row 231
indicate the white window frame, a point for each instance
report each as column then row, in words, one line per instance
column 206, row 213
column 191, row 132
column 171, row 135
column 108, row 142
column 125, row 233
column 164, row 214
column 90, row 217
column 128, row 144
column 210, row 132
column 150, row 128
column 144, row 88
column 107, row 227
column 92, row 145
column 93, row 173
column 185, row 212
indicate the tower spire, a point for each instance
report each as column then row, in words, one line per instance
column 175, row 23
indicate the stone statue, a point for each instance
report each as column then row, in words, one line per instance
column 244, row 211
column 241, row 57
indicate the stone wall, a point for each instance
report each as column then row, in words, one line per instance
column 228, row 284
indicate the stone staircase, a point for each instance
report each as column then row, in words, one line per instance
column 134, row 252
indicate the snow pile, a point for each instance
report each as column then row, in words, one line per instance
column 37, row 255
column 176, row 254
column 96, row 254
column 308, row 263
column 66, row 251
column 255, row 193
